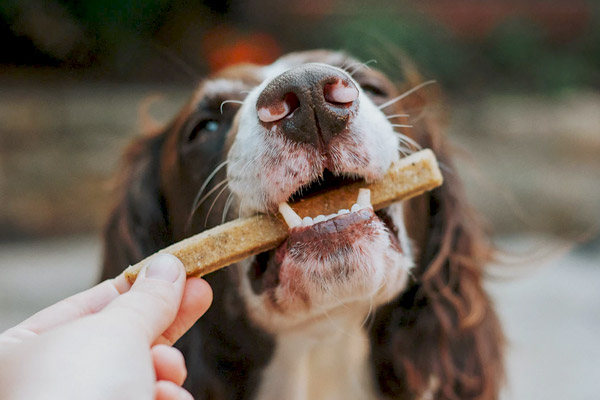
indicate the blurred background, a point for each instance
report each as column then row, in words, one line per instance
column 521, row 92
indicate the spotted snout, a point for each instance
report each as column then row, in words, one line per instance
column 312, row 103
column 303, row 125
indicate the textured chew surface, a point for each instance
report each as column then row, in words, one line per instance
column 235, row 240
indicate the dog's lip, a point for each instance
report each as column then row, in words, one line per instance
column 320, row 230
column 266, row 266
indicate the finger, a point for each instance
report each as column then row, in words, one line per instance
column 151, row 305
column 197, row 297
column 166, row 390
column 169, row 364
column 88, row 302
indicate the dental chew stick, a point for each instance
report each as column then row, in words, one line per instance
column 236, row 240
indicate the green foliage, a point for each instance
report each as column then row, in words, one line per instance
column 135, row 15
column 387, row 39
column 515, row 45
column 518, row 52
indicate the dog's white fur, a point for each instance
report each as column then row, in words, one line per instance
column 325, row 360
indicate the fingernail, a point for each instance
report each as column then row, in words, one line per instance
column 163, row 267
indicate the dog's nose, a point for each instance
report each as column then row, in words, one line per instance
column 312, row 103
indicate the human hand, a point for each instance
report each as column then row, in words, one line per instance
column 109, row 342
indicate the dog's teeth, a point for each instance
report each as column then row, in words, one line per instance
column 291, row 218
column 364, row 198
column 319, row 218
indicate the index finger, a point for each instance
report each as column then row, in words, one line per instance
column 197, row 297
column 153, row 302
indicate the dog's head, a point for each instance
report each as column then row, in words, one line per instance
column 253, row 137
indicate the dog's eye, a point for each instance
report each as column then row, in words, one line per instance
column 207, row 125
column 373, row 90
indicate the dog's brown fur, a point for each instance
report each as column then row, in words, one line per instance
column 440, row 336
column 444, row 325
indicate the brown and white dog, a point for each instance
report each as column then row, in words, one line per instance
column 357, row 305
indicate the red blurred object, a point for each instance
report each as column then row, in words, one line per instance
column 225, row 46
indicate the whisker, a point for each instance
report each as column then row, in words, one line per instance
column 371, row 303
column 198, row 204
column 242, row 202
column 251, row 161
column 229, row 101
column 226, row 208
column 446, row 168
column 207, row 195
column 335, row 325
column 407, row 140
column 397, row 115
column 405, row 94
column 346, row 65
column 402, row 126
column 205, row 184
column 405, row 150
column 214, row 202
column 359, row 66
column 371, row 306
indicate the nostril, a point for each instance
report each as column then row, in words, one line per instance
column 340, row 92
column 292, row 101
column 280, row 109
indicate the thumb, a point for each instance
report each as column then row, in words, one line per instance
column 151, row 305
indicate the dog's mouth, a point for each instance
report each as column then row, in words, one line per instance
column 324, row 246
column 327, row 181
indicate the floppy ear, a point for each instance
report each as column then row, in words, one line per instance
column 440, row 339
column 138, row 225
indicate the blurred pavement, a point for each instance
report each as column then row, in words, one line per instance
column 34, row 275
column 551, row 312
column 551, row 317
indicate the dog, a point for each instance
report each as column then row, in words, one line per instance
column 356, row 305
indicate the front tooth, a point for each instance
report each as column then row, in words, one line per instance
column 307, row 221
column 291, row 218
column 331, row 216
column 344, row 211
column 355, row 208
column 319, row 218
column 364, row 198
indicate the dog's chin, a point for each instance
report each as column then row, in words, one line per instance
column 351, row 262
